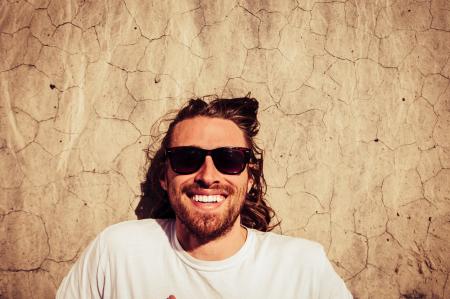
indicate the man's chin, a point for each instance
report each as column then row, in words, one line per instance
column 206, row 224
column 207, row 227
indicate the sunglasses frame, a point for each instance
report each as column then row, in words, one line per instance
column 246, row 151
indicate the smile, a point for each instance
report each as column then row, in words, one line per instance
column 208, row 198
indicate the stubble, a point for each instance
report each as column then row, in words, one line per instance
column 207, row 226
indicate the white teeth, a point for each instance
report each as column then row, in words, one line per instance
column 208, row 198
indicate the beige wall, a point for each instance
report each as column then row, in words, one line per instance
column 355, row 113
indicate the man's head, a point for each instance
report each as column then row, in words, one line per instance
column 172, row 188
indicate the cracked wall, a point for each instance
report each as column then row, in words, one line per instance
column 355, row 113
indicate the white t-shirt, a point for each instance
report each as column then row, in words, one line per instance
column 143, row 259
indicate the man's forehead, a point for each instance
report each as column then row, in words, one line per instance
column 207, row 132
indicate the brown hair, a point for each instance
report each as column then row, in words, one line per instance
column 256, row 212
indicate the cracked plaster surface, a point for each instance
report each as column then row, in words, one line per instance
column 355, row 115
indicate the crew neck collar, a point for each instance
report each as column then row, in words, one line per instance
column 203, row 265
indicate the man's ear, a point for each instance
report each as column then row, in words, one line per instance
column 163, row 177
column 250, row 178
column 162, row 182
column 249, row 184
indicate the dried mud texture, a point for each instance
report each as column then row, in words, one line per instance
column 355, row 114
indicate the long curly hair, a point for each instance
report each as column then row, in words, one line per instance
column 256, row 212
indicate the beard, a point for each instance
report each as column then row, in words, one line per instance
column 207, row 226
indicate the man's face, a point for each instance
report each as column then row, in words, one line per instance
column 187, row 193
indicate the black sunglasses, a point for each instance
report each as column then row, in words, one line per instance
column 189, row 159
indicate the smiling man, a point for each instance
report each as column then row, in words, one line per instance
column 204, row 228
column 208, row 201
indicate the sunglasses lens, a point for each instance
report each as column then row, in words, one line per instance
column 186, row 160
column 230, row 160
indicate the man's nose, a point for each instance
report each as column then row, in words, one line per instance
column 208, row 174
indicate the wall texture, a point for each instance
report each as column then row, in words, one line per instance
column 355, row 113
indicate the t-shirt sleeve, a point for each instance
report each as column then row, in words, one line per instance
column 88, row 275
column 331, row 284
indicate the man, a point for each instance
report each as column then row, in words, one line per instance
column 205, row 186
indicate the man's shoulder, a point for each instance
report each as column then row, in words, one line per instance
column 142, row 224
column 136, row 230
column 289, row 245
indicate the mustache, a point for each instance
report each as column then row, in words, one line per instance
column 194, row 188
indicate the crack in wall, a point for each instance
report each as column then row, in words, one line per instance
column 353, row 109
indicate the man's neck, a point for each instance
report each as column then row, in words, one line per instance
column 215, row 250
